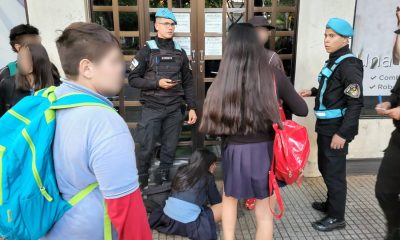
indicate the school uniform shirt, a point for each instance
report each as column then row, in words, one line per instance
column 186, row 206
column 93, row 144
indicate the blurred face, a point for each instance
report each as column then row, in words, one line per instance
column 106, row 75
column 165, row 28
column 213, row 168
column 334, row 41
column 263, row 34
column 24, row 61
column 27, row 39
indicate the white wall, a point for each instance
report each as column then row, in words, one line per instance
column 314, row 14
column 52, row 16
column 12, row 13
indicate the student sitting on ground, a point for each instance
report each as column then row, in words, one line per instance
column 186, row 212
column 34, row 72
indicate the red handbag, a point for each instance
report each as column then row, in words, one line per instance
column 291, row 150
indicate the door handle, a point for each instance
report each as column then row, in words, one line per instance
column 201, row 56
column 193, row 56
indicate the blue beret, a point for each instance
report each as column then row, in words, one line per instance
column 340, row 26
column 165, row 13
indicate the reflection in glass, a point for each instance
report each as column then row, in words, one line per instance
column 233, row 18
column 181, row 3
column 286, row 2
column 267, row 15
column 262, row 3
column 285, row 21
column 152, row 22
column 127, row 2
column 158, row 3
column 211, row 68
column 287, row 65
column 102, row 2
column 128, row 21
column 213, row 4
column 235, row 3
column 284, row 45
column 104, row 19
column 129, row 45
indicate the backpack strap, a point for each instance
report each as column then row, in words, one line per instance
column 81, row 195
column 12, row 68
column 76, row 99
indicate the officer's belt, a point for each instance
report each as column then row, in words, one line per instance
column 330, row 114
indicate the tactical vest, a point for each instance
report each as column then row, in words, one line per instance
column 322, row 112
column 165, row 64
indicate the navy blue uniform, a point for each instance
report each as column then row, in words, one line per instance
column 342, row 100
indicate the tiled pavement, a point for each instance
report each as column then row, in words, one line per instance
column 363, row 216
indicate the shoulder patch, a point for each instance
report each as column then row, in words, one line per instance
column 353, row 90
column 134, row 64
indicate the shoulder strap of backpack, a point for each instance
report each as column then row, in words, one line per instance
column 12, row 67
column 76, row 99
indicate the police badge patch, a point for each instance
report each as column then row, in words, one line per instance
column 353, row 90
column 134, row 64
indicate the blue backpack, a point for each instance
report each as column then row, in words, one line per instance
column 30, row 201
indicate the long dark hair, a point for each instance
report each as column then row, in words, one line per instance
column 41, row 69
column 241, row 99
column 197, row 169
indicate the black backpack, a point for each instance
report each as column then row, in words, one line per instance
column 154, row 196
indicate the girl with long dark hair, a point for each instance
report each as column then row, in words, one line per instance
column 241, row 105
column 187, row 212
column 35, row 71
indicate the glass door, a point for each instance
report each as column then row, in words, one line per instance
column 215, row 19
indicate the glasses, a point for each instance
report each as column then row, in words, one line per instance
column 166, row 24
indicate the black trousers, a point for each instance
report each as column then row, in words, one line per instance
column 162, row 124
column 387, row 189
column 332, row 165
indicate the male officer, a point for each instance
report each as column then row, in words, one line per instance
column 161, row 70
column 338, row 106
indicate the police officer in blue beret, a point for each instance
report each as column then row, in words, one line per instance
column 161, row 70
column 338, row 104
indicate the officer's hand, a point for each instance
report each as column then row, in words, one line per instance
column 192, row 117
column 166, row 83
column 393, row 113
column 382, row 108
column 305, row 93
column 337, row 142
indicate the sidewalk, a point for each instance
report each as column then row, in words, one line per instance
column 364, row 217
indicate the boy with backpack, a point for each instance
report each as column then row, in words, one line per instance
column 69, row 170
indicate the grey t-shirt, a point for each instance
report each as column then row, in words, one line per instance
column 91, row 144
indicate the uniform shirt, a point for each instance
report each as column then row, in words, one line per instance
column 348, row 73
column 137, row 80
column 9, row 95
column 185, row 206
column 274, row 59
column 87, row 149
